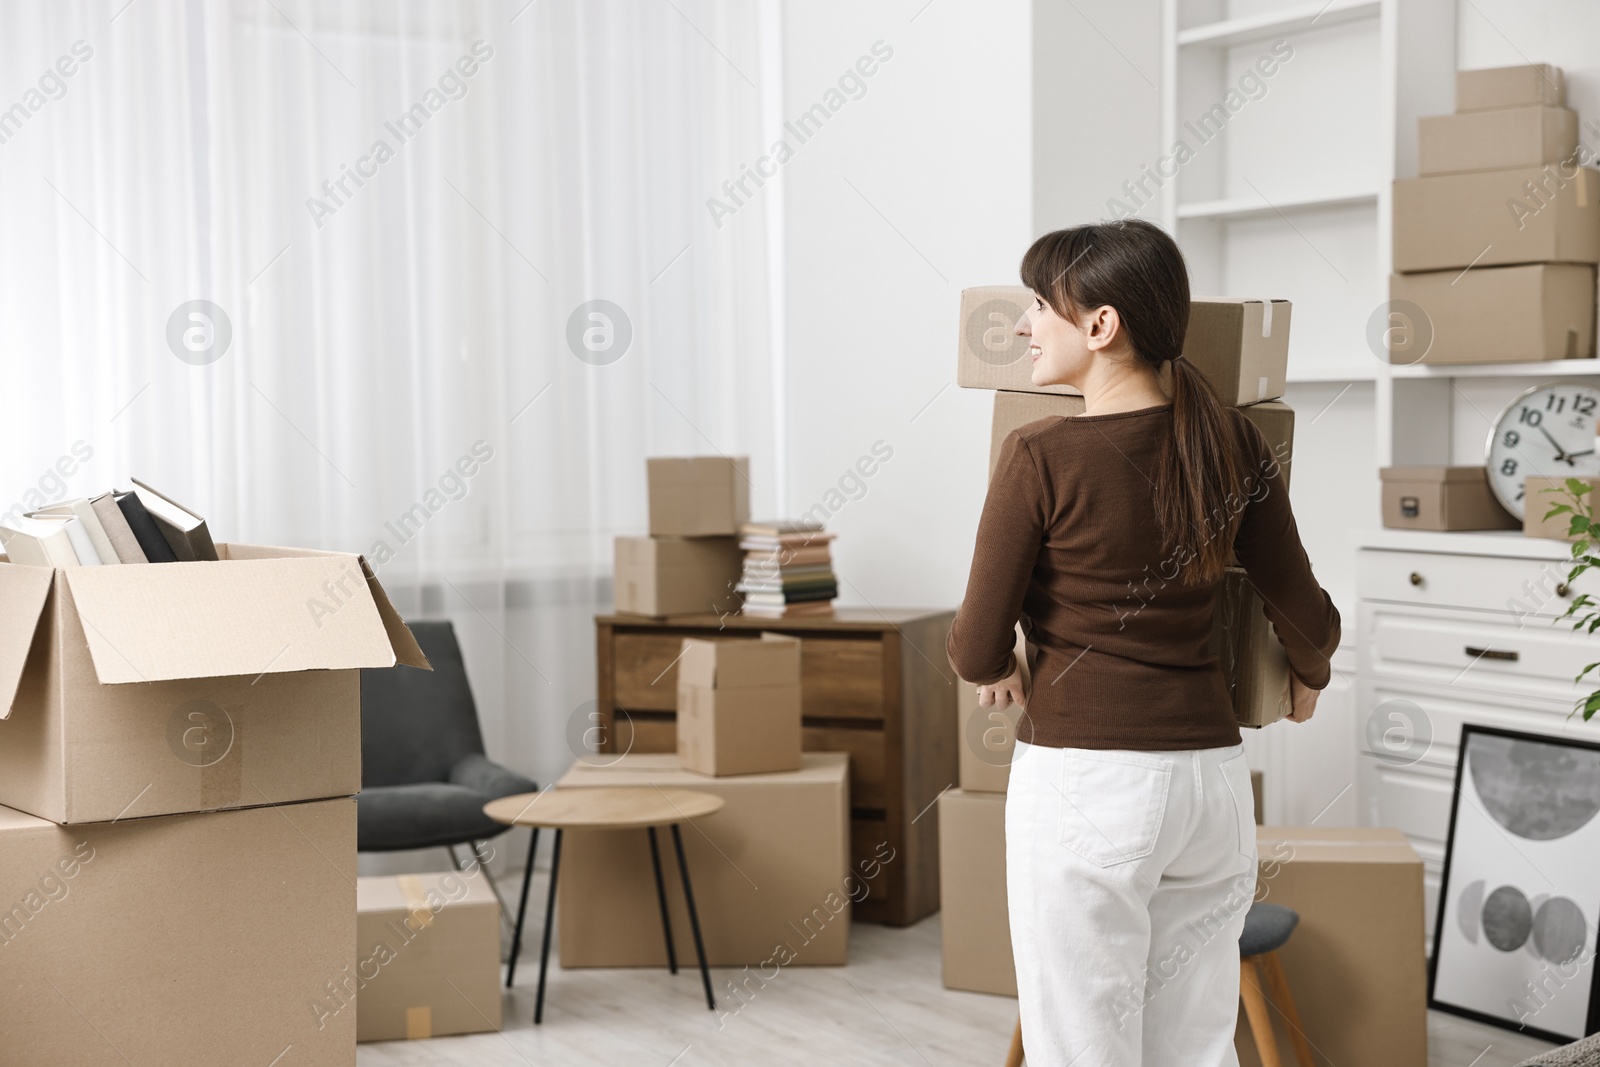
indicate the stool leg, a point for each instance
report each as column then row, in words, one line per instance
column 661, row 895
column 522, row 909
column 1014, row 1057
column 1279, row 983
column 1255, row 1009
column 694, row 918
column 549, row 921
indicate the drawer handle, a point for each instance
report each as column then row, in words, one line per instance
column 1563, row 590
column 1416, row 579
column 1510, row 655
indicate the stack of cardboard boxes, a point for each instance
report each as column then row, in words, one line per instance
column 1496, row 241
column 690, row 561
column 179, row 754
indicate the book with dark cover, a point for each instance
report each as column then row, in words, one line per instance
column 185, row 531
column 144, row 528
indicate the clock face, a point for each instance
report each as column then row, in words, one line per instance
column 1550, row 431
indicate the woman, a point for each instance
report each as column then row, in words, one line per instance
column 1130, row 836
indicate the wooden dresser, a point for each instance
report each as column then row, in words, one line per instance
column 875, row 684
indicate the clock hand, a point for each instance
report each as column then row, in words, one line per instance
column 1559, row 454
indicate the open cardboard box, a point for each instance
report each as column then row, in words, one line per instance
column 181, row 687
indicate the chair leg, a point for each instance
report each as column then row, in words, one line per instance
column 455, row 860
column 522, row 909
column 494, row 887
column 661, row 896
column 1278, row 982
column 549, row 921
column 1256, row 1010
column 1014, row 1057
column 694, row 918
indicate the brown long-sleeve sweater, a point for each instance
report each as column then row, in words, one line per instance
column 1117, row 645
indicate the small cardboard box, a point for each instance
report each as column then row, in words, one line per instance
column 989, row 354
column 218, row 938
column 1492, row 218
column 1252, row 658
column 1531, row 313
column 676, row 575
column 698, row 496
column 1441, row 498
column 1533, row 84
column 771, row 871
column 974, row 919
column 427, row 956
column 178, row 687
column 1538, row 498
column 1495, row 140
column 989, row 735
column 1241, row 345
column 1356, row 961
column 739, row 705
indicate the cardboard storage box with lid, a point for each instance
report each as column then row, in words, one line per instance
column 176, row 687
column 698, row 496
column 214, row 938
column 1466, row 320
column 739, row 705
column 659, row 576
column 773, row 881
column 1441, row 498
column 427, row 956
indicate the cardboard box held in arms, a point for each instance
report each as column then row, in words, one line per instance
column 180, row 687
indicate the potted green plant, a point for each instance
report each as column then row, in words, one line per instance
column 1586, row 541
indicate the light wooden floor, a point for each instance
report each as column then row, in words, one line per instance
column 886, row 1007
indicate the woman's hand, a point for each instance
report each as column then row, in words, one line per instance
column 1005, row 692
column 1302, row 699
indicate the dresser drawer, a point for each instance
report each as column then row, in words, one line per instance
column 1391, row 731
column 1492, row 652
column 1414, row 800
column 839, row 677
column 1516, row 585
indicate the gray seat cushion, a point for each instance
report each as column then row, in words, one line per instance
column 1584, row 1053
column 1266, row 928
column 391, row 818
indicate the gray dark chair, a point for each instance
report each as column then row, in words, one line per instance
column 424, row 776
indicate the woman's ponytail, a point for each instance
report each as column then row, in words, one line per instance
column 1199, row 494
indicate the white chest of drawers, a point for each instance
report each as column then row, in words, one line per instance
column 1455, row 628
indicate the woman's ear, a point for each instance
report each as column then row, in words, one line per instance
column 1105, row 325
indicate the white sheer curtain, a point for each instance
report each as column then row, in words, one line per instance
column 399, row 378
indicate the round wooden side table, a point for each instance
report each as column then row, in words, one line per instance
column 604, row 808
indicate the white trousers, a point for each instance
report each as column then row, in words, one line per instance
column 1128, row 876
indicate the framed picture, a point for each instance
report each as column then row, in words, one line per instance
column 1515, row 933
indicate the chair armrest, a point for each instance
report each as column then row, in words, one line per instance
column 483, row 775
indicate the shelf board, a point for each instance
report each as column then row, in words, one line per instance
column 1512, row 544
column 1243, row 207
column 1260, row 27
column 1558, row 368
column 1330, row 373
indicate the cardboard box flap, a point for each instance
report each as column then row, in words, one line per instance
column 24, row 591
column 245, row 617
column 406, row 649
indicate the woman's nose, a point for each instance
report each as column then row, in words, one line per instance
column 1021, row 329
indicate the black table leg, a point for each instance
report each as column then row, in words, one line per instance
column 661, row 895
column 549, row 921
column 694, row 918
column 522, row 909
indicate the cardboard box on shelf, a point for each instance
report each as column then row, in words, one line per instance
column 989, row 354
column 178, row 687
column 1441, row 498
column 427, row 955
column 1493, row 218
column 739, row 705
column 659, row 576
column 1540, row 494
column 1356, row 961
column 773, row 882
column 223, row 937
column 989, row 735
column 1241, row 345
column 1251, row 656
column 974, row 921
column 1528, row 85
column 1495, row 140
column 698, row 496
column 1530, row 313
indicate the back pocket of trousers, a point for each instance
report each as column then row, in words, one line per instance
column 1236, row 773
column 1112, row 804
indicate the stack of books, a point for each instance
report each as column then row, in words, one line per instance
column 137, row 525
column 788, row 569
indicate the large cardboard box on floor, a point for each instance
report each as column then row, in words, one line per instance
column 771, row 871
column 676, row 575
column 427, row 956
column 1355, row 962
column 176, row 687
column 974, row 920
column 1441, row 498
column 739, row 705
column 1528, row 85
column 1495, row 140
column 217, row 938
column 989, row 735
column 698, row 496
column 1494, row 218
column 1528, row 313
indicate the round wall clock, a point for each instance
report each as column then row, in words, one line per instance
column 1549, row 430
